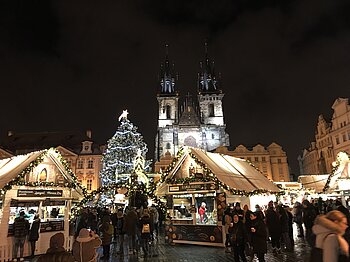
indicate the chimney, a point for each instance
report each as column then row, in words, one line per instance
column 10, row 133
column 88, row 133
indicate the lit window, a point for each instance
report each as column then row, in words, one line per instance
column 43, row 175
column 80, row 164
column 90, row 164
column 89, row 184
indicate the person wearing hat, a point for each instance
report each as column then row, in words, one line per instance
column 120, row 231
column 85, row 245
column 56, row 251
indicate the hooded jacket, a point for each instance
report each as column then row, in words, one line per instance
column 328, row 238
column 56, row 251
column 84, row 247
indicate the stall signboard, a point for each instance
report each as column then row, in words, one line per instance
column 192, row 187
column 212, row 234
column 18, row 203
column 49, row 226
column 39, row 193
column 54, row 202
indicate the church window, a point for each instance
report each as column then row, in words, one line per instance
column 168, row 146
column 168, row 111
column 211, row 109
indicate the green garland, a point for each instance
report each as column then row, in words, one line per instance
column 19, row 179
column 334, row 169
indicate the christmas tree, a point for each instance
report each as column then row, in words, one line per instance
column 122, row 148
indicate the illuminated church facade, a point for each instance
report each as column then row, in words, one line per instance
column 187, row 121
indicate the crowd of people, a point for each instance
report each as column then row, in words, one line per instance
column 323, row 224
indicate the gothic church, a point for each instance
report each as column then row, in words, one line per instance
column 186, row 121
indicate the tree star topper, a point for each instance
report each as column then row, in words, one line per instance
column 123, row 115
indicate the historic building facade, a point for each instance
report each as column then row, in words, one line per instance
column 330, row 139
column 271, row 161
column 186, row 121
column 79, row 150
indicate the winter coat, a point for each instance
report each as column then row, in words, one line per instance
column 56, row 251
column 20, row 227
column 258, row 238
column 146, row 219
column 120, row 226
column 238, row 234
column 284, row 220
column 273, row 222
column 106, row 230
column 228, row 220
column 298, row 213
column 34, row 230
column 309, row 215
column 131, row 221
column 84, row 249
column 327, row 238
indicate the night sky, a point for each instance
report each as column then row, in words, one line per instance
column 75, row 65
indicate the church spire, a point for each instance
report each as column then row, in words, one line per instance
column 167, row 80
column 207, row 82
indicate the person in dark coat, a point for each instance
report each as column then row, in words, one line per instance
column 120, row 231
column 34, row 233
column 131, row 221
column 309, row 215
column 106, row 230
column 273, row 224
column 239, row 211
column 298, row 218
column 238, row 237
column 259, row 236
column 146, row 231
column 20, row 228
column 284, row 219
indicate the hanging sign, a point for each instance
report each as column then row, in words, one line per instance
column 39, row 193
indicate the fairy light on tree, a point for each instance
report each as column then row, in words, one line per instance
column 122, row 148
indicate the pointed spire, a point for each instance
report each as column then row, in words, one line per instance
column 207, row 82
column 167, row 81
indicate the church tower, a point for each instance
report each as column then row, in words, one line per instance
column 198, row 122
column 168, row 106
column 209, row 93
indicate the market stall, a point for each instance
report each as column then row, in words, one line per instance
column 199, row 185
column 37, row 183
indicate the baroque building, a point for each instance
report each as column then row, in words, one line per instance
column 271, row 161
column 330, row 139
column 186, row 121
column 79, row 150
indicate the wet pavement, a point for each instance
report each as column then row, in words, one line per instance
column 188, row 253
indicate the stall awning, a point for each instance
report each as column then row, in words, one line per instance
column 313, row 182
column 235, row 172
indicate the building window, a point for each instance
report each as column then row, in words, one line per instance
column 90, row 164
column 212, row 136
column 69, row 163
column 211, row 109
column 168, row 146
column 263, row 159
column 280, row 169
column 256, row 159
column 80, row 164
column 168, row 112
column 279, row 161
column 344, row 137
column 249, row 159
column 89, row 184
column 349, row 135
column 337, row 140
column 43, row 175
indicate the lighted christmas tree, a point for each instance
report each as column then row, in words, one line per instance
column 122, row 148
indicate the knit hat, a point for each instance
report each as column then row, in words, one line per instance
column 84, row 235
column 57, row 240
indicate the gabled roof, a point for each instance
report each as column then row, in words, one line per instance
column 11, row 168
column 314, row 182
column 233, row 172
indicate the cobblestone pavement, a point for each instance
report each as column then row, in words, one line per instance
column 190, row 253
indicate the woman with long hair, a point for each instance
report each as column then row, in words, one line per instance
column 329, row 230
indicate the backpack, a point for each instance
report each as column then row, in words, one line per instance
column 146, row 229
